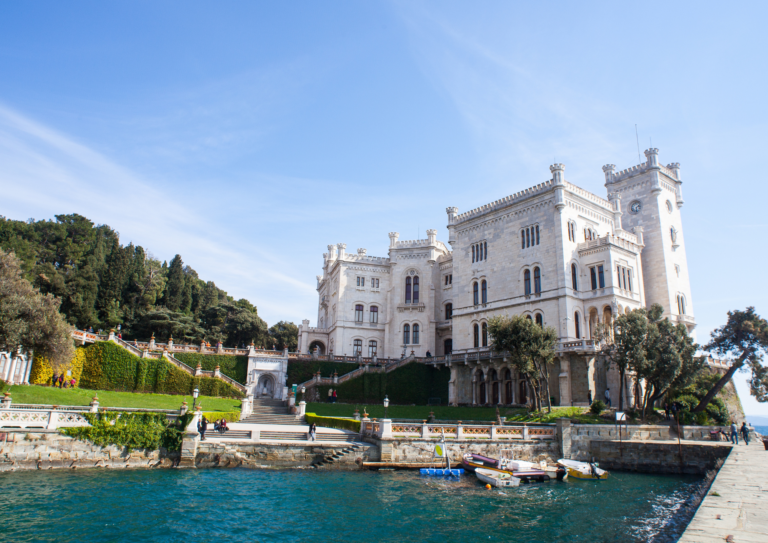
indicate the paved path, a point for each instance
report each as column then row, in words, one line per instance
column 741, row 509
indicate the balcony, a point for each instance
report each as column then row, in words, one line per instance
column 420, row 307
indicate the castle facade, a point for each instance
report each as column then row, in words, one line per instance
column 560, row 255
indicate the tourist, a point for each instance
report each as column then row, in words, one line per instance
column 608, row 397
column 119, row 335
column 734, row 433
column 202, row 426
column 745, row 433
column 72, row 383
column 223, row 426
column 330, row 395
column 666, row 410
column 216, row 426
column 61, row 381
column 429, row 355
column 334, row 396
column 90, row 329
column 54, row 380
column 589, row 397
column 312, row 432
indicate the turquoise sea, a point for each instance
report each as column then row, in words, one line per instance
column 302, row 505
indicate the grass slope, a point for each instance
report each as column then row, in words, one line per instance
column 68, row 396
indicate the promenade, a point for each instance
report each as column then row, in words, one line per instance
column 736, row 506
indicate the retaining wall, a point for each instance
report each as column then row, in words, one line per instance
column 279, row 455
column 421, row 450
column 659, row 457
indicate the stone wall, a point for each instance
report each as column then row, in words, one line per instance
column 51, row 450
column 279, row 455
column 659, row 457
column 421, row 450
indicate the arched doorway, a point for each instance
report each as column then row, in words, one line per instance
column 523, row 396
column 447, row 346
column 483, row 400
column 319, row 345
column 265, row 388
column 508, row 386
column 495, row 399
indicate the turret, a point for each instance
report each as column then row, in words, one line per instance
column 652, row 156
column 342, row 250
column 615, row 198
column 452, row 212
column 331, row 253
column 393, row 236
column 432, row 236
column 608, row 170
column 558, row 179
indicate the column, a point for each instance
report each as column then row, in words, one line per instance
column 565, row 380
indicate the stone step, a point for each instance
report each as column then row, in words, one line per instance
column 231, row 434
column 302, row 436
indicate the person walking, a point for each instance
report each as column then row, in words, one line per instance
column 608, row 397
column 666, row 410
column 312, row 432
column 734, row 433
column 202, row 426
column 334, row 396
column 745, row 433
column 54, row 380
column 61, row 381
column 330, row 395
column 589, row 397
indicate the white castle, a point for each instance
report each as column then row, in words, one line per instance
column 555, row 252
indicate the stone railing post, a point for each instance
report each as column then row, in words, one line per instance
column 198, row 370
column 53, row 420
column 459, row 431
column 564, row 436
column 291, row 400
column 335, row 378
column 152, row 343
column 424, row 430
column 202, row 346
column 5, row 403
column 493, row 431
column 385, row 431
column 302, row 409
column 245, row 407
column 145, row 353
column 183, row 409
column 220, row 347
column 525, row 432
column 170, row 344
column 217, row 371
column 285, row 352
column 111, row 335
column 95, row 405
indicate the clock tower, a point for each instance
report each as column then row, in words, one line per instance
column 652, row 196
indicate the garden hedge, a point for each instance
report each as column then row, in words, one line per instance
column 300, row 371
column 230, row 416
column 333, row 422
column 413, row 384
column 108, row 366
column 232, row 366
column 132, row 430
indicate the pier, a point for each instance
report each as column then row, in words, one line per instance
column 736, row 506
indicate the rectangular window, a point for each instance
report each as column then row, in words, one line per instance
column 485, row 246
column 624, row 277
column 374, row 314
column 601, row 276
column 629, row 280
column 371, row 349
column 618, row 274
column 358, row 281
column 593, row 276
column 362, row 281
column 450, row 280
column 537, row 234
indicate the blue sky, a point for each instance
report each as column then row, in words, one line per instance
column 249, row 136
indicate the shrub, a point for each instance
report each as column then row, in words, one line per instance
column 232, row 366
column 132, row 430
column 110, row 367
column 597, row 407
column 229, row 416
column 333, row 422
column 42, row 371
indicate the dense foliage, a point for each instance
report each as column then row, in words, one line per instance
column 132, row 430
column 333, row 422
column 29, row 319
column 102, row 284
column 284, row 334
column 229, row 416
column 411, row 384
column 531, row 350
column 232, row 366
column 300, row 371
column 110, row 367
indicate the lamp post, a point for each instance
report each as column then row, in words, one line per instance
column 386, row 405
column 303, row 390
column 195, row 394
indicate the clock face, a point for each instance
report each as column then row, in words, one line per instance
column 635, row 206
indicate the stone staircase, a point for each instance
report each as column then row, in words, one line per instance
column 229, row 434
column 336, row 456
column 268, row 411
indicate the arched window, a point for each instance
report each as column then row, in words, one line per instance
column 473, row 254
column 681, row 304
column 357, row 347
column 485, row 249
column 577, row 325
column 406, row 334
column 476, row 333
column 522, row 239
column 484, row 292
column 527, row 281
column 407, row 290
column 372, row 348
column 474, row 293
column 448, row 346
column 480, row 250
column 358, row 313
column 448, row 311
column 527, row 237
column 415, row 334
column 540, row 319
column 528, row 317
column 374, row 314
column 485, row 334
column 416, row 289
column 536, row 280
column 574, row 278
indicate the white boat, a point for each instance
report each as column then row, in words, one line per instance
column 508, row 463
column 496, row 478
column 583, row 470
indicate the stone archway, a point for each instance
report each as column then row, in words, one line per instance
column 266, row 386
column 320, row 346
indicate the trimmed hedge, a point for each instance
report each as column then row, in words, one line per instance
column 110, row 367
column 232, row 366
column 300, row 371
column 333, row 422
column 229, row 416
column 132, row 430
column 413, row 384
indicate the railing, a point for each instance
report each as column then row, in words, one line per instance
column 406, row 430
column 51, row 417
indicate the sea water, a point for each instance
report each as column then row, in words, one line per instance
column 360, row 506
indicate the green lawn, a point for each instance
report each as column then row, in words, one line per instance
column 78, row 396
column 448, row 413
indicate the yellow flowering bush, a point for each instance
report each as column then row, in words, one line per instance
column 41, row 371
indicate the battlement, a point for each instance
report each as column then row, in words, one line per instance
column 589, row 196
column 504, row 202
column 670, row 170
column 366, row 258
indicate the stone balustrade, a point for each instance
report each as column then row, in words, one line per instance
column 408, row 430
